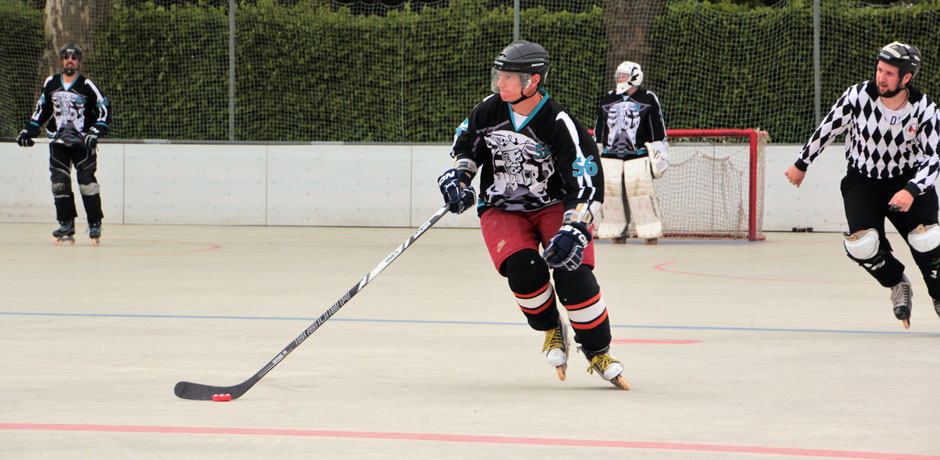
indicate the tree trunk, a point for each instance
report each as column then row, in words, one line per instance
column 628, row 23
column 72, row 21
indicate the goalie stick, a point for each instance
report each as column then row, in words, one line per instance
column 198, row 391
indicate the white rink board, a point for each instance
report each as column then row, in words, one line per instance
column 26, row 193
column 429, row 162
column 330, row 184
column 357, row 185
column 194, row 184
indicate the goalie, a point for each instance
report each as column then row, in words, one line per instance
column 631, row 136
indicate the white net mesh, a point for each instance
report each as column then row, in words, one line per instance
column 714, row 187
column 332, row 70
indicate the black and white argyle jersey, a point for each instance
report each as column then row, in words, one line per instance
column 882, row 143
column 528, row 163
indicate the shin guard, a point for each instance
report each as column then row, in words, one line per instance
column 581, row 296
column 530, row 283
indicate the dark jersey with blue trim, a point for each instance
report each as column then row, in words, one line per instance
column 549, row 158
column 881, row 143
column 75, row 108
column 625, row 123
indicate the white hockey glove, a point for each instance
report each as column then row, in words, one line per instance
column 659, row 161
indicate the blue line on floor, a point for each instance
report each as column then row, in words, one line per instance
column 492, row 323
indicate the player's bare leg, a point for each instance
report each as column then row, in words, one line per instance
column 65, row 233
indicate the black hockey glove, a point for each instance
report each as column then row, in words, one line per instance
column 567, row 247
column 91, row 139
column 457, row 197
column 25, row 138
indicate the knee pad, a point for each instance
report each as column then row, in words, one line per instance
column 576, row 286
column 924, row 239
column 61, row 189
column 864, row 247
column 89, row 189
column 526, row 271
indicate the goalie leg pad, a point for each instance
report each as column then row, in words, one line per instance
column 642, row 198
column 530, row 283
column 612, row 222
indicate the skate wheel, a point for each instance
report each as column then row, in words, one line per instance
column 906, row 323
column 95, row 242
column 652, row 241
column 621, row 383
column 561, row 371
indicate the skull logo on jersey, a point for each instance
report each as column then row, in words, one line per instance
column 69, row 115
column 623, row 121
column 521, row 168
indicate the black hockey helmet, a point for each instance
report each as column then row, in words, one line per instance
column 903, row 56
column 72, row 49
column 524, row 57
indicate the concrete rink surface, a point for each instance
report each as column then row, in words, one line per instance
column 734, row 350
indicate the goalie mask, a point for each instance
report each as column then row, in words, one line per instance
column 903, row 56
column 521, row 59
column 628, row 75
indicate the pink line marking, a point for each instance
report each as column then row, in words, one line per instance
column 207, row 247
column 655, row 341
column 464, row 439
column 662, row 267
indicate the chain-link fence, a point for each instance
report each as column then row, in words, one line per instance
column 321, row 70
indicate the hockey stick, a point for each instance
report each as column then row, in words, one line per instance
column 198, row 391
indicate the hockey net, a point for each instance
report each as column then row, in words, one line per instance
column 714, row 187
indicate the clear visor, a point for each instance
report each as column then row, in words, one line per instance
column 508, row 79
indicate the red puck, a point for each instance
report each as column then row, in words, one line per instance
column 225, row 397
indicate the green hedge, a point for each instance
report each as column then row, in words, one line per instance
column 763, row 78
column 309, row 72
column 21, row 46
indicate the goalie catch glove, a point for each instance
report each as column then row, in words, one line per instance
column 457, row 196
column 25, row 137
column 659, row 161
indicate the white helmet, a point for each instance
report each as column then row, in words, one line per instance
column 628, row 74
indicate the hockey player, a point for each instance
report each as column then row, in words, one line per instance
column 82, row 115
column 891, row 147
column 539, row 185
column 631, row 136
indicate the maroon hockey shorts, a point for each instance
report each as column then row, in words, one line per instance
column 508, row 232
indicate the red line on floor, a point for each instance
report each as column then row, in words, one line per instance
column 654, row 341
column 465, row 439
